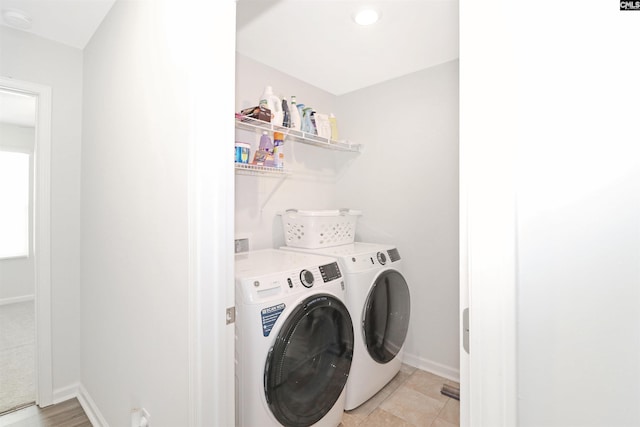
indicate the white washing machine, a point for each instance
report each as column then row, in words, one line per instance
column 379, row 302
column 294, row 340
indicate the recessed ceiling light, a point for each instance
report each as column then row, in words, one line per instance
column 366, row 17
column 16, row 18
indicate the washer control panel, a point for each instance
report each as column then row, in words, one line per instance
column 382, row 258
column 330, row 272
column 307, row 279
column 268, row 275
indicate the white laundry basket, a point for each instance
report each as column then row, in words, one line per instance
column 319, row 229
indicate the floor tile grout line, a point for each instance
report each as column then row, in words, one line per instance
column 441, row 408
column 362, row 422
column 394, row 390
column 388, row 396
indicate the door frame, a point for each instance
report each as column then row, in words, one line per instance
column 488, row 216
column 488, row 262
column 211, row 184
column 41, row 238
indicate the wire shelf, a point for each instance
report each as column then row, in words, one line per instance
column 248, row 123
column 249, row 169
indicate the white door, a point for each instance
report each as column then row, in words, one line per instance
column 550, row 207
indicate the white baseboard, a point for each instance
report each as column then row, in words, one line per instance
column 65, row 393
column 78, row 391
column 433, row 367
column 90, row 407
column 13, row 300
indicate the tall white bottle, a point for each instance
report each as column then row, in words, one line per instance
column 294, row 114
column 274, row 104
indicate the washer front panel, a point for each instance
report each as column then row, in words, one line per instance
column 309, row 363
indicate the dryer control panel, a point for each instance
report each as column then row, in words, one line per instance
column 357, row 263
column 394, row 255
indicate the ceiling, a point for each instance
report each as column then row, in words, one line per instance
column 318, row 42
column 315, row 41
column 71, row 22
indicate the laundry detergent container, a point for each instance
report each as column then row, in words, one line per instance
column 319, row 229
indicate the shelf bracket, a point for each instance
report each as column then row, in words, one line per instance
column 273, row 191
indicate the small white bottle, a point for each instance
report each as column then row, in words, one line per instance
column 294, row 114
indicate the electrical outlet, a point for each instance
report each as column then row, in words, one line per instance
column 242, row 245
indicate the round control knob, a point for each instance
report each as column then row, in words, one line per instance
column 306, row 277
column 382, row 258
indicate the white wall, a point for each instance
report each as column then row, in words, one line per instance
column 567, row 95
column 33, row 59
column 578, row 215
column 17, row 275
column 135, row 270
column 406, row 183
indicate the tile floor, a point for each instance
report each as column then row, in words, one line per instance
column 411, row 399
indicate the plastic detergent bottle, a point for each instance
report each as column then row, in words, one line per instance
column 303, row 126
column 314, row 123
column 278, row 154
column 265, row 142
column 334, row 127
column 294, row 114
column 286, row 118
column 307, row 124
column 274, row 104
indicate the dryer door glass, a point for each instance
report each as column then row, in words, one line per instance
column 309, row 363
column 386, row 316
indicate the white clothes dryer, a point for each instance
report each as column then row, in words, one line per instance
column 294, row 340
column 379, row 303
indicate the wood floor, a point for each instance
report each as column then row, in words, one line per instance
column 64, row 414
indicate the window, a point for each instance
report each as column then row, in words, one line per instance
column 14, row 204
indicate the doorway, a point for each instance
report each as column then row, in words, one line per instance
column 17, row 273
column 25, row 337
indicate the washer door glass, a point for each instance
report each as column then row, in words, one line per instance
column 309, row 363
column 386, row 316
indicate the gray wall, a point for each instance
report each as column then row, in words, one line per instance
column 405, row 181
column 33, row 59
